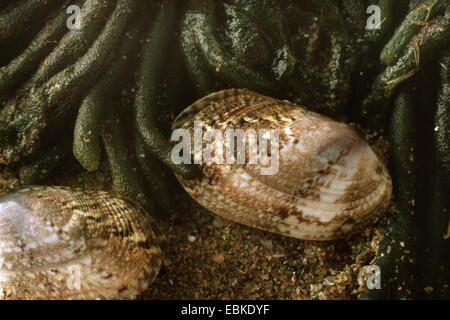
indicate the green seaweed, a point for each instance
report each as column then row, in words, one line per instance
column 423, row 46
column 396, row 256
column 86, row 143
column 123, row 164
column 148, row 79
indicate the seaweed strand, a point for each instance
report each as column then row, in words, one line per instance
column 149, row 78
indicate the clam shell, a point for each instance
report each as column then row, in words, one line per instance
column 329, row 183
column 59, row 243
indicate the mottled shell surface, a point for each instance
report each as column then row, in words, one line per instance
column 329, row 184
column 59, row 243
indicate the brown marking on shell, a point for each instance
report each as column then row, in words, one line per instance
column 61, row 243
column 329, row 183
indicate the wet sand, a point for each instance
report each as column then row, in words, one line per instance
column 209, row 257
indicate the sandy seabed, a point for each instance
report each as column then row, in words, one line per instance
column 209, row 257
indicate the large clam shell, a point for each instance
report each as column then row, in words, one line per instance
column 329, row 183
column 59, row 243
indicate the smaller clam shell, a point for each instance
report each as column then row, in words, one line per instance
column 329, row 183
column 59, row 243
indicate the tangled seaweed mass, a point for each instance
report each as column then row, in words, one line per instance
column 117, row 82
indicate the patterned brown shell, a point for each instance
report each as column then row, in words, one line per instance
column 60, row 243
column 329, row 183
